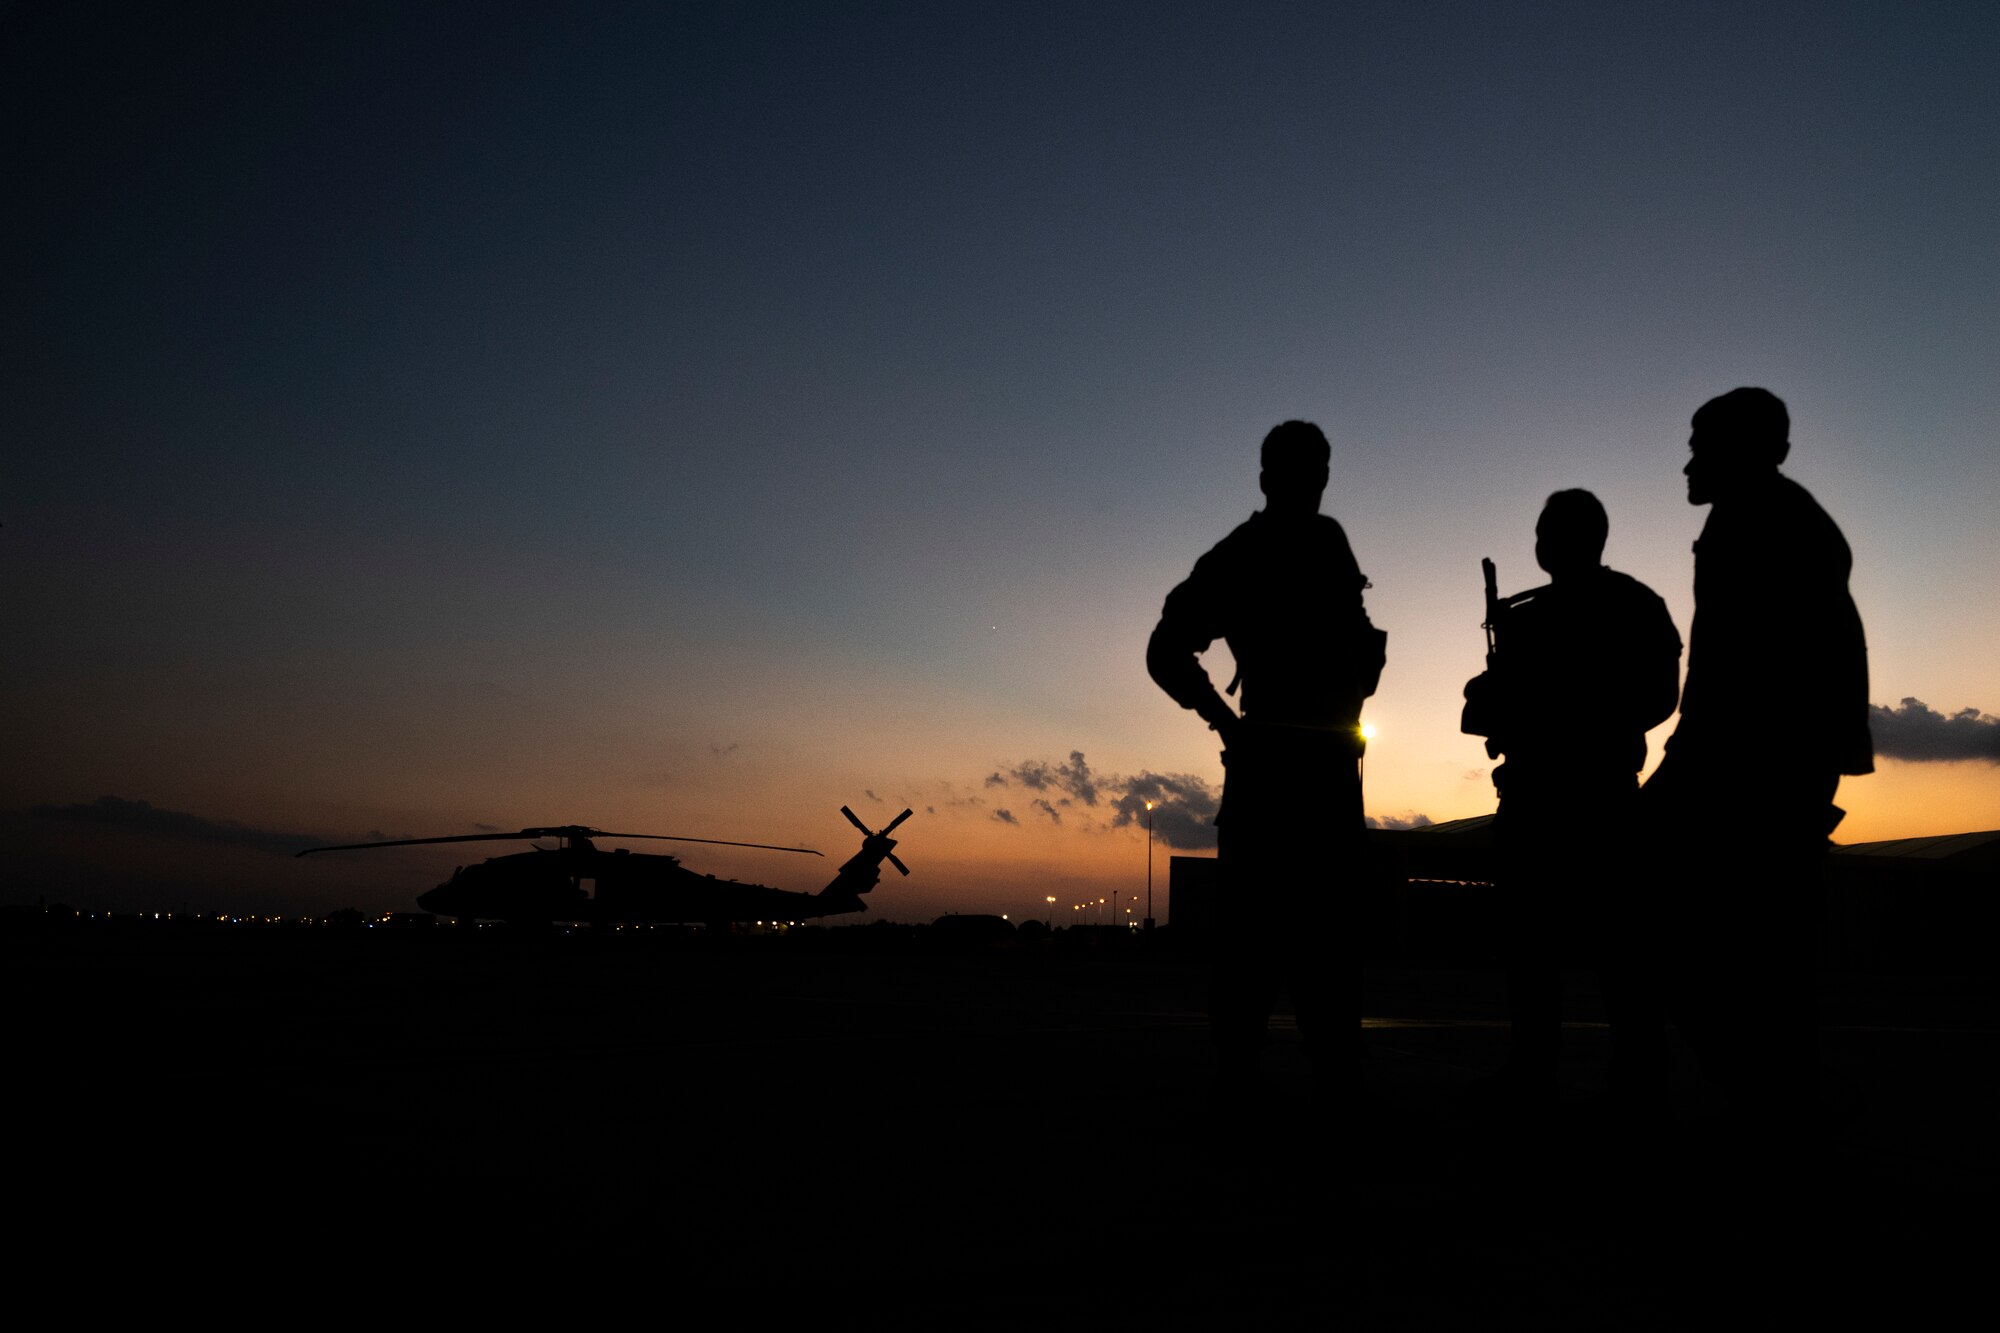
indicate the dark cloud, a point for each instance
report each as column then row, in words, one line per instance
column 142, row 817
column 869, row 792
column 486, row 828
column 1398, row 821
column 721, row 750
column 1072, row 776
column 1184, row 807
column 1076, row 780
column 1005, row 816
column 1918, row 732
column 1035, row 775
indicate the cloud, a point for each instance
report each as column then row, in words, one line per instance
column 869, row 792
column 1184, row 807
column 1072, row 776
column 1917, row 732
column 487, row 828
column 1408, row 821
column 720, row 751
column 1035, row 775
column 142, row 817
column 1076, row 779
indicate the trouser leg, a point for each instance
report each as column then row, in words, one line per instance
column 1242, row 986
column 1534, row 986
column 1635, row 1007
column 1290, row 843
column 1745, row 993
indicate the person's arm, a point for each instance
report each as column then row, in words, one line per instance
column 1189, row 623
column 1659, row 679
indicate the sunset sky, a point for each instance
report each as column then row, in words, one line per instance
column 691, row 418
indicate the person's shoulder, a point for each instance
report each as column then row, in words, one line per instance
column 1623, row 586
column 1804, row 503
column 1243, row 534
column 1639, row 603
column 1327, row 534
column 1242, row 539
column 1783, row 499
column 1797, row 524
column 1790, row 491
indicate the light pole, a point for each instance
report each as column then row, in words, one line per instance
column 1149, row 865
column 1052, row 911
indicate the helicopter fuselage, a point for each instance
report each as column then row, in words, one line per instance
column 631, row 887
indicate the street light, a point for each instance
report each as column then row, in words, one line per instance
column 1149, row 865
column 1052, row 911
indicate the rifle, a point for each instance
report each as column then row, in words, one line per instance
column 1477, row 719
column 1493, row 609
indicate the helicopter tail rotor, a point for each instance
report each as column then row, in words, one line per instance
column 863, row 871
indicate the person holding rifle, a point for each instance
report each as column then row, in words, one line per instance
column 1577, row 672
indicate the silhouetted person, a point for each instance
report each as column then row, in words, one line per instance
column 1285, row 592
column 1775, row 711
column 1584, row 667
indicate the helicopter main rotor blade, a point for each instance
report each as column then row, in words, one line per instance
column 418, row 842
column 856, row 822
column 890, row 827
column 565, row 831
column 713, row 842
column 898, row 864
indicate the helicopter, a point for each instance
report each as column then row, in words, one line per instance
column 546, row 883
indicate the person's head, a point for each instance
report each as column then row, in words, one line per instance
column 1736, row 439
column 1296, row 459
column 1569, row 536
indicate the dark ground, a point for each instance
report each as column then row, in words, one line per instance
column 970, row 1139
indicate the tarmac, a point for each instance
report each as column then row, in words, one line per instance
column 855, row 1126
